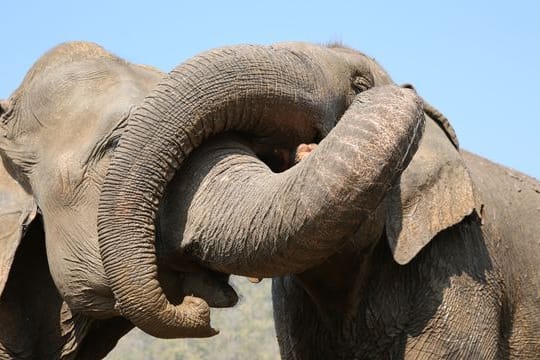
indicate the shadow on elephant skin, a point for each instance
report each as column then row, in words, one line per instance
column 391, row 310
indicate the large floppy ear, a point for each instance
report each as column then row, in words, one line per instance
column 17, row 210
column 434, row 192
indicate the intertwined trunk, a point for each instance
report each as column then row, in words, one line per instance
column 293, row 95
column 231, row 212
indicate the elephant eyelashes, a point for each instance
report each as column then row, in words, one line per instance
column 102, row 148
column 112, row 143
column 111, row 140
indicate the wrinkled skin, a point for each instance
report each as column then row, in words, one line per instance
column 439, row 263
column 471, row 293
column 360, row 303
column 57, row 134
column 274, row 98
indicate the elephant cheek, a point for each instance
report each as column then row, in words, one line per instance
column 74, row 260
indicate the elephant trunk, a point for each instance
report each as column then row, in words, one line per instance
column 244, row 219
column 271, row 93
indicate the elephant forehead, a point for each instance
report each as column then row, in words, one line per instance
column 82, row 92
column 362, row 62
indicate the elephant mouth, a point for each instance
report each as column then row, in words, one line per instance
column 280, row 158
column 277, row 159
column 277, row 145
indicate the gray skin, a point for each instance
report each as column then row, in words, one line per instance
column 57, row 133
column 278, row 97
column 373, row 254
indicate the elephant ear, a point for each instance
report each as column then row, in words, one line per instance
column 434, row 192
column 17, row 210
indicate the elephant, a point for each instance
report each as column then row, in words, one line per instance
column 386, row 241
column 58, row 131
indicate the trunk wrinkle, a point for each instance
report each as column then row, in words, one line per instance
column 205, row 92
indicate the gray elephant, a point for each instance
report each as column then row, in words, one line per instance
column 381, row 245
column 58, row 131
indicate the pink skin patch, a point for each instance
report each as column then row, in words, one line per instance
column 302, row 151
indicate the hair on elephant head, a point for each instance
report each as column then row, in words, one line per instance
column 58, row 131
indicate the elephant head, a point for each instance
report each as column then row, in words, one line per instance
column 468, row 248
column 273, row 98
column 58, row 131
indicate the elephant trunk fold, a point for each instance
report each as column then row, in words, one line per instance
column 270, row 93
column 264, row 224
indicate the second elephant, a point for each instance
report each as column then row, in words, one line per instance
column 376, row 253
column 58, row 131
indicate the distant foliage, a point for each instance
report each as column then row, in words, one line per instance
column 246, row 332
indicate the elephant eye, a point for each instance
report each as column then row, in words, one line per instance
column 112, row 143
column 361, row 83
column 104, row 146
column 107, row 146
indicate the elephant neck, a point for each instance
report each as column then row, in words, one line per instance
column 387, row 308
column 338, row 285
column 336, row 299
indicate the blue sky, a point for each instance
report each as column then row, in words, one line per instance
column 476, row 61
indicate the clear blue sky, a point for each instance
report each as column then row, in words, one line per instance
column 477, row 61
